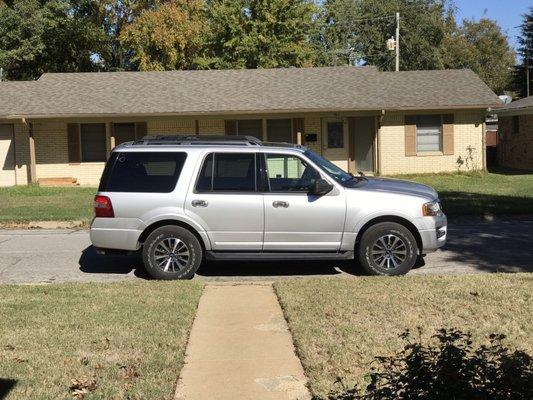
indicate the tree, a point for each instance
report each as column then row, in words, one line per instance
column 482, row 47
column 46, row 36
column 525, row 52
column 339, row 40
column 259, row 33
column 114, row 16
column 363, row 27
column 166, row 37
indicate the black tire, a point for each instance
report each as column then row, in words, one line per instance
column 180, row 265
column 388, row 236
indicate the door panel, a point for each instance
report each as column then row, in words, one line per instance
column 364, row 143
column 226, row 202
column 295, row 221
column 232, row 221
column 7, row 156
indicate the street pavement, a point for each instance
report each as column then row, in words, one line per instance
column 46, row 256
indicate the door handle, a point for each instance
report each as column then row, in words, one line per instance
column 278, row 204
column 199, row 203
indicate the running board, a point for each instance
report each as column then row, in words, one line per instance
column 245, row 256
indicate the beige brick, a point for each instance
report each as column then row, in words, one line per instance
column 468, row 131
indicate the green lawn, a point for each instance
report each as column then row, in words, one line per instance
column 498, row 192
column 127, row 338
column 34, row 203
column 340, row 325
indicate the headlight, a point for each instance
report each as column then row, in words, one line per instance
column 432, row 209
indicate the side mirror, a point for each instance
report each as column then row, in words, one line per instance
column 320, row 188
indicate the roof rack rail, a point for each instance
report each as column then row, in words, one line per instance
column 198, row 140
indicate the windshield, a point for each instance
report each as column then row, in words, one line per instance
column 328, row 167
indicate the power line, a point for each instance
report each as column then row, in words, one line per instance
column 373, row 18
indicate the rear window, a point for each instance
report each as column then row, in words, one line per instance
column 142, row 172
column 229, row 172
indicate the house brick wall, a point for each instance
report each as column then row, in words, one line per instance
column 52, row 151
column 515, row 150
column 468, row 131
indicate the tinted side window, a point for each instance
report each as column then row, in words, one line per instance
column 142, row 172
column 288, row 173
column 228, row 172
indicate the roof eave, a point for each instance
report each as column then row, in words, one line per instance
column 375, row 108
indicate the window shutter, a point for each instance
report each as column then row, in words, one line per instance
column 230, row 127
column 73, row 143
column 141, row 130
column 410, row 135
column 297, row 126
column 447, row 134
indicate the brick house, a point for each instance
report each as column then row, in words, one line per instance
column 64, row 125
column 515, row 127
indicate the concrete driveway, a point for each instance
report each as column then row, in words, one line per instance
column 45, row 256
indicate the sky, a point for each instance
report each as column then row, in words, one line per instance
column 508, row 13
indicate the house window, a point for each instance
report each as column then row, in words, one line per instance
column 335, row 134
column 279, row 130
column 93, row 142
column 124, row 132
column 516, row 124
column 428, row 133
column 249, row 127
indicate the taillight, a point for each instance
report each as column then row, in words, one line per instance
column 103, row 207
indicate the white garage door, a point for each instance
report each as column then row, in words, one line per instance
column 7, row 156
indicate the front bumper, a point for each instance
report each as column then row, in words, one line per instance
column 433, row 232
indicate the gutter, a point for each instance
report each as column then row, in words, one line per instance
column 244, row 112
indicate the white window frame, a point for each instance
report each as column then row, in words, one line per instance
column 439, row 150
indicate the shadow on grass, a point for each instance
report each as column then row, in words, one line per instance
column 6, row 385
column 508, row 171
column 457, row 203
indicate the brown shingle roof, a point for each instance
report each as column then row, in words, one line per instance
column 242, row 91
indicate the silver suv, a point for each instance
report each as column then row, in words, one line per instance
column 184, row 199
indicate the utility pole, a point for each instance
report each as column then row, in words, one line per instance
column 527, row 72
column 397, row 41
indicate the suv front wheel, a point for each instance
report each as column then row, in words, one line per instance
column 387, row 248
column 172, row 252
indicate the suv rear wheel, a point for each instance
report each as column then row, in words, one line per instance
column 172, row 252
column 387, row 248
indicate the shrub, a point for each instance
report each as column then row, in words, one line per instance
column 450, row 368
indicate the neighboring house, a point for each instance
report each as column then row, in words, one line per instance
column 515, row 125
column 64, row 125
column 491, row 139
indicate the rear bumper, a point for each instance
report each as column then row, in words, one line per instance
column 116, row 233
column 434, row 233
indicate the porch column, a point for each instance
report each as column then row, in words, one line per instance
column 110, row 138
column 264, row 130
column 33, row 162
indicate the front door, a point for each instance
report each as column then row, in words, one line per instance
column 295, row 221
column 363, row 142
column 335, row 142
column 7, row 156
column 225, row 201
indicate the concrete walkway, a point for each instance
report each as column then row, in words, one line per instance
column 240, row 348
